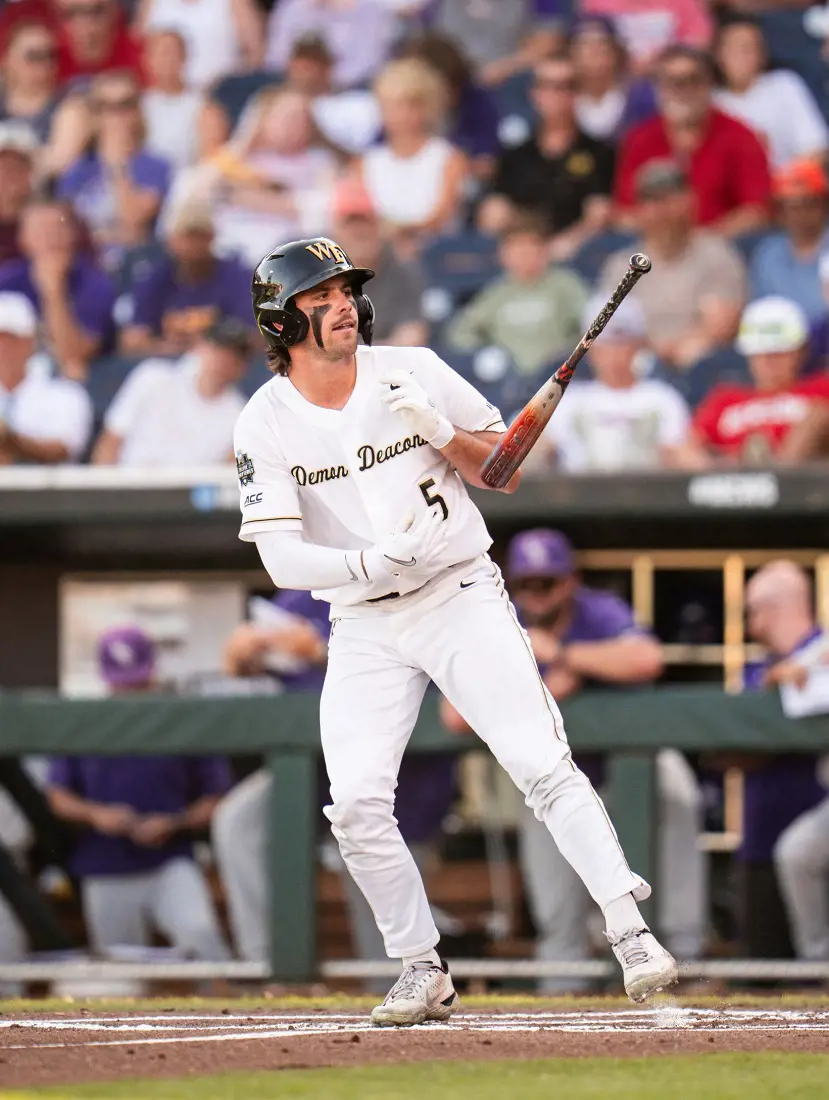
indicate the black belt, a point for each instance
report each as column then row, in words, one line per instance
column 379, row 599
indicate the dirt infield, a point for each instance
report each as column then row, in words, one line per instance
column 69, row 1047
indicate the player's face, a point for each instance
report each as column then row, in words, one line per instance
column 541, row 599
column 332, row 314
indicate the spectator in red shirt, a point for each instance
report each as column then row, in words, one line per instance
column 94, row 37
column 781, row 417
column 725, row 162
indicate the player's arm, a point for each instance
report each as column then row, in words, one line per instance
column 629, row 659
column 464, row 448
column 467, row 451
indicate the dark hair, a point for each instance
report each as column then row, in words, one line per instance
column 526, row 221
column 689, row 53
column 737, row 19
column 278, row 360
column 442, row 54
column 601, row 23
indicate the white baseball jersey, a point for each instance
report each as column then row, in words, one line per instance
column 346, row 477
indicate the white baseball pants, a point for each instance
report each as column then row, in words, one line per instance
column 469, row 642
column 120, row 910
column 560, row 905
column 801, row 859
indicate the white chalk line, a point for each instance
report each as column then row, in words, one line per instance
column 227, row 1029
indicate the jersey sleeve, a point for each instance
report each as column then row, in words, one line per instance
column 456, row 398
column 268, row 492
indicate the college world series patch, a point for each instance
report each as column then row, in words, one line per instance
column 244, row 468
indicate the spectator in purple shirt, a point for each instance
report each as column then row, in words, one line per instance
column 116, row 187
column 136, row 816
column 777, row 789
column 182, row 295
column 291, row 642
column 583, row 637
column 72, row 295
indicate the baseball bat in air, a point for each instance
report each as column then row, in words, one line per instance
column 519, row 439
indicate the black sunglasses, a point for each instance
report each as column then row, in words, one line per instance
column 84, row 11
column 37, row 56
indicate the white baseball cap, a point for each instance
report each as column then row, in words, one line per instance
column 627, row 323
column 772, row 324
column 17, row 314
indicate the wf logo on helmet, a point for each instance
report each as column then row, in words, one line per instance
column 327, row 250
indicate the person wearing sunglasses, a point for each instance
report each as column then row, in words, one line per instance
column 724, row 160
column 583, row 637
column 559, row 173
column 116, row 187
column 94, row 38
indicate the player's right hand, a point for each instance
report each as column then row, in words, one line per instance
column 413, row 544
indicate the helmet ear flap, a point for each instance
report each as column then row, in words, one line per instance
column 365, row 317
column 284, row 327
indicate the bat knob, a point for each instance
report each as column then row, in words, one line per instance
column 640, row 262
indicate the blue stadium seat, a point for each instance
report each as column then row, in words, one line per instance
column 136, row 264
column 460, row 264
column 516, row 114
column 723, row 365
column 792, row 47
column 233, row 92
column 257, row 375
column 106, row 376
column 747, row 242
column 590, row 258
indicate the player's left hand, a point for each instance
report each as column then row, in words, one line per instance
column 410, row 399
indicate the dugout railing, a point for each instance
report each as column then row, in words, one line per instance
column 630, row 726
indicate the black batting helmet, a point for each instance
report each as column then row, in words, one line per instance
column 298, row 266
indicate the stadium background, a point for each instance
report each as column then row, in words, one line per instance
column 87, row 545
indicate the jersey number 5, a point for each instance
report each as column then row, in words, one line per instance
column 433, row 498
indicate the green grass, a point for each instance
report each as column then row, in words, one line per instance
column 338, row 1001
column 699, row 1077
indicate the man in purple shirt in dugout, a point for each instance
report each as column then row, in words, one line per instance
column 294, row 649
column 777, row 789
column 183, row 293
column 135, row 817
column 583, row 637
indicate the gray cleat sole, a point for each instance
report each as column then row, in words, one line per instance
column 655, row 983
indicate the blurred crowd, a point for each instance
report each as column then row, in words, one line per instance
column 495, row 161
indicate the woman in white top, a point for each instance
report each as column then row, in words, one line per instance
column 600, row 63
column 416, row 178
column 777, row 105
column 171, row 110
column 221, row 36
column 271, row 182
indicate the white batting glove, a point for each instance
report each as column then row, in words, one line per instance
column 410, row 399
column 412, row 546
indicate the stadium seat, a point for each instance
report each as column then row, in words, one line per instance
column 723, row 365
column 590, row 258
column 233, row 92
column 516, row 115
column 456, row 268
column 792, row 47
column 106, row 376
column 257, row 375
column 136, row 264
column 747, row 242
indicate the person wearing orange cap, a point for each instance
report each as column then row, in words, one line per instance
column 398, row 318
column 786, row 264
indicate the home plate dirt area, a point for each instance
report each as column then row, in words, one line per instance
column 58, row 1047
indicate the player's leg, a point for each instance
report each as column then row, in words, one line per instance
column 238, row 832
column 471, row 644
column 558, row 902
column 368, row 708
column 182, row 908
column 801, row 861
column 683, row 866
column 115, row 910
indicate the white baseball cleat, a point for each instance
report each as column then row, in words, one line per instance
column 422, row 992
column 645, row 963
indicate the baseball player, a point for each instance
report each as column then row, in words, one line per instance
column 351, row 463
